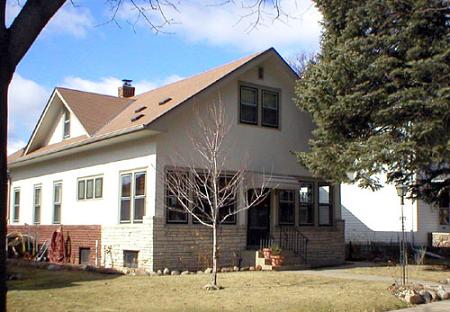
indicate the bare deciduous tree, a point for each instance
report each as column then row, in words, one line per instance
column 210, row 194
column 301, row 61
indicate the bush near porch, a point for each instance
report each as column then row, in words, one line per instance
column 42, row 290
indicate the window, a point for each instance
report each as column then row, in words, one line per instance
column 286, row 207
column 325, row 204
column 57, row 201
column 66, row 125
column 306, row 204
column 249, row 105
column 444, row 209
column 269, row 116
column 175, row 213
column 132, row 197
column 37, row 205
column 90, row 188
column 130, row 258
column 85, row 253
column 202, row 209
column 16, row 205
column 229, row 207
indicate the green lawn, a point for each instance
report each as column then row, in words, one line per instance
column 42, row 290
column 433, row 273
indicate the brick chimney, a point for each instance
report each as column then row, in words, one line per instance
column 126, row 90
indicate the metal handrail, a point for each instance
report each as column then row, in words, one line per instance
column 294, row 240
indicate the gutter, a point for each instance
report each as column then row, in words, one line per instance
column 88, row 141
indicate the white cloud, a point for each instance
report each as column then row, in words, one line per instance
column 75, row 21
column 14, row 145
column 26, row 100
column 109, row 85
column 231, row 24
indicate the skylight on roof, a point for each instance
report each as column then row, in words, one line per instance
column 137, row 117
column 140, row 109
column 165, row 101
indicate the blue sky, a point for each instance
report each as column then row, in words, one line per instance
column 78, row 50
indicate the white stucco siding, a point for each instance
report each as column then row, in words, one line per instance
column 108, row 162
column 428, row 222
column 56, row 133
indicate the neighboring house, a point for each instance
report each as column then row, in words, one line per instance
column 376, row 217
column 95, row 165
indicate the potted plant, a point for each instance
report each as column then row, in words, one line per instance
column 267, row 252
column 277, row 258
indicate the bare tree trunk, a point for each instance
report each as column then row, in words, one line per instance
column 5, row 79
column 214, row 257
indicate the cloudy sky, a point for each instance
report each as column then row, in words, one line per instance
column 81, row 49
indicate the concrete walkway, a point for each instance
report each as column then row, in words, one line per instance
column 337, row 272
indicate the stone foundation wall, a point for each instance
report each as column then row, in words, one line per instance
column 82, row 236
column 134, row 237
column 440, row 240
column 187, row 246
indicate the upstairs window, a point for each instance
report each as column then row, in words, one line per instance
column 325, row 204
column 37, row 205
column 270, row 105
column 249, row 105
column 16, row 205
column 66, row 125
column 90, row 188
column 286, row 207
column 132, row 197
column 306, row 203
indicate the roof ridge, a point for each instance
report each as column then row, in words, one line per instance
column 250, row 56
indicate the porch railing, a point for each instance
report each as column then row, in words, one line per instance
column 290, row 238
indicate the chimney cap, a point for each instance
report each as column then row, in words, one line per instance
column 127, row 82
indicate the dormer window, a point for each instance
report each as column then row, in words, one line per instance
column 66, row 125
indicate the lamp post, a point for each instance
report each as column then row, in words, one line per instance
column 401, row 192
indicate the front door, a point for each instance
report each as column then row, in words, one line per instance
column 258, row 222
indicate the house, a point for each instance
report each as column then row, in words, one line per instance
column 95, row 166
column 376, row 217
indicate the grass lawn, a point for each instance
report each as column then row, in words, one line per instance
column 434, row 273
column 43, row 290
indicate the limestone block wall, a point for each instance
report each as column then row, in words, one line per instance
column 134, row 237
column 188, row 246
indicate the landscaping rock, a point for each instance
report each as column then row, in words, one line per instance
column 141, row 271
column 434, row 296
column 159, row 273
column 414, row 299
column 166, row 271
column 252, row 268
column 443, row 282
column 258, row 268
column 175, row 272
column 426, row 296
column 443, row 294
column 53, row 267
column 245, row 268
column 199, row 272
column 235, row 269
column 208, row 271
column 185, row 273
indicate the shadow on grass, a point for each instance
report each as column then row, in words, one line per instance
column 41, row 279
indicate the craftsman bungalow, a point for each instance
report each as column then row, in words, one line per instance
column 92, row 166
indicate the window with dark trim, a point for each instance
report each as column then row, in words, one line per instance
column 130, row 258
column 57, row 202
column 66, row 125
column 325, row 194
column 248, row 105
column 229, row 206
column 84, row 256
column 286, row 207
column 132, row 197
column 444, row 209
column 37, row 204
column 175, row 212
column 201, row 208
column 269, row 108
column 16, row 205
column 306, row 203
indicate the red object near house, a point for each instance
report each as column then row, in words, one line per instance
column 57, row 247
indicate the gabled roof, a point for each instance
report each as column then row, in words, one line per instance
column 92, row 109
column 104, row 116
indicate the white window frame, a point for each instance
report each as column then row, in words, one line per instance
column 35, row 188
column 94, row 183
column 55, row 183
column 133, row 195
column 66, row 122
column 16, row 214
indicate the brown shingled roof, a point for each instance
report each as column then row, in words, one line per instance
column 92, row 109
column 103, row 114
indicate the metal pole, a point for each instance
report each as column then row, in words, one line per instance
column 402, row 249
